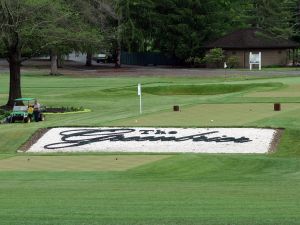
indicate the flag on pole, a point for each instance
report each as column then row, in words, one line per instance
column 140, row 94
column 139, row 89
column 225, row 65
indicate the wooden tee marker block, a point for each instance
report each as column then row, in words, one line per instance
column 277, row 107
column 176, row 108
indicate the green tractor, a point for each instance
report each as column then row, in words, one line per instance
column 24, row 112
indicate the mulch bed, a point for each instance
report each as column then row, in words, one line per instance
column 276, row 140
column 34, row 138
column 55, row 110
column 62, row 109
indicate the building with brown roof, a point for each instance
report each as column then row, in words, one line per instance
column 274, row 50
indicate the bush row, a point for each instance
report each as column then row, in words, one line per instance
column 215, row 58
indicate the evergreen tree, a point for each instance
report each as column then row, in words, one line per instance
column 182, row 27
column 274, row 16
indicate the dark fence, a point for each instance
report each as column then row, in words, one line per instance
column 147, row 58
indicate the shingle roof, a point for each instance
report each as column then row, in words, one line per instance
column 251, row 38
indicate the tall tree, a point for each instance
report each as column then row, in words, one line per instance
column 31, row 27
column 274, row 16
column 91, row 22
column 181, row 27
column 137, row 27
column 296, row 20
column 20, row 20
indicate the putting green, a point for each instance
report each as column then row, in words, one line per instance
column 77, row 163
column 289, row 91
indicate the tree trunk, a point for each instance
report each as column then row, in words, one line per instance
column 54, row 70
column 118, row 58
column 118, row 52
column 14, row 60
column 60, row 61
column 88, row 59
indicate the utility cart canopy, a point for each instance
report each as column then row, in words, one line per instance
column 24, row 99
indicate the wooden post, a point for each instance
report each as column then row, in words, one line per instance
column 294, row 61
column 277, row 107
column 176, row 108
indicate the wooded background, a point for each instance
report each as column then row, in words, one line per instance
column 177, row 28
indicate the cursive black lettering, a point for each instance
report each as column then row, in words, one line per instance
column 80, row 137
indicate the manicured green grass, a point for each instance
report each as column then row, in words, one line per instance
column 228, row 115
column 207, row 89
column 154, row 189
column 184, row 189
column 76, row 163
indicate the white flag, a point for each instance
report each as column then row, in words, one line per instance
column 139, row 89
column 225, row 65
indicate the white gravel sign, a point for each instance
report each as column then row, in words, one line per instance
column 156, row 140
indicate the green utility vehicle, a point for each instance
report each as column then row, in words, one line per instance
column 23, row 111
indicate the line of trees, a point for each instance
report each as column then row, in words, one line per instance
column 175, row 27
column 180, row 28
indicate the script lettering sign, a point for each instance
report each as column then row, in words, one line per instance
column 197, row 140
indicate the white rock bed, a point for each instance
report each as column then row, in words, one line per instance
column 253, row 140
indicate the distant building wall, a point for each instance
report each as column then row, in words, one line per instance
column 147, row 58
column 272, row 57
column 77, row 57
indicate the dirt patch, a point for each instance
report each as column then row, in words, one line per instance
column 34, row 138
column 276, row 140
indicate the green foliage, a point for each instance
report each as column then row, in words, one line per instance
column 183, row 26
column 3, row 114
column 232, row 62
column 194, row 61
column 178, row 28
column 136, row 25
column 274, row 16
column 190, row 61
column 54, row 24
column 198, row 62
column 32, row 28
column 214, row 58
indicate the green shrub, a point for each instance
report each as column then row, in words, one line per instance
column 194, row 61
column 190, row 60
column 232, row 62
column 214, row 58
column 4, row 114
column 198, row 61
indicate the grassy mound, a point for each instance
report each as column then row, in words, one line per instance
column 207, row 89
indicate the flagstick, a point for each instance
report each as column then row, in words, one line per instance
column 140, row 94
column 141, row 103
column 225, row 68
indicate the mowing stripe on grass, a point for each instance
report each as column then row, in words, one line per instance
column 77, row 163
